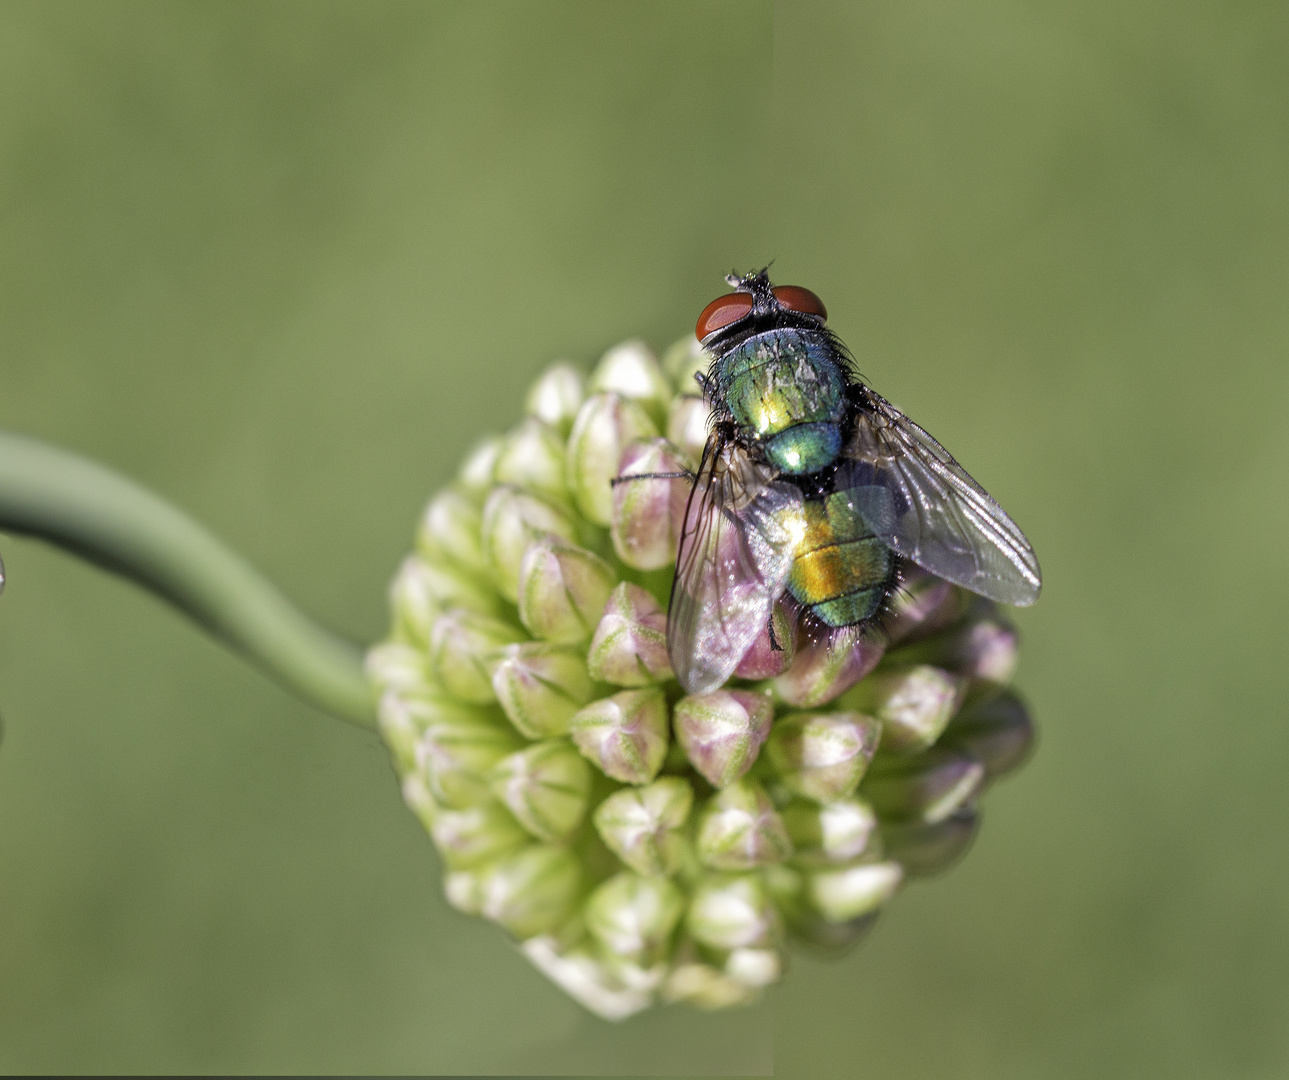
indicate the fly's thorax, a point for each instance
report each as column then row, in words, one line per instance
column 786, row 388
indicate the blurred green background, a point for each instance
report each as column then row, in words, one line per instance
column 282, row 262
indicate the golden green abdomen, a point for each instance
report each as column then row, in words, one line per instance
column 842, row 571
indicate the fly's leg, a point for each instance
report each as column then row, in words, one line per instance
column 774, row 641
column 686, row 475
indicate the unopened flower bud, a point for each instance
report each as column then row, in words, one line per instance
column 464, row 890
column 450, row 529
column 819, row 674
column 997, row 732
column 456, row 754
column 475, row 835
column 928, row 849
column 648, row 515
column 835, row 832
column 556, row 396
column 738, row 829
column 421, row 591
column 474, row 480
column 921, row 606
column 464, row 649
column 513, row 520
column 403, row 714
column 420, row 800
column 754, row 967
column 731, row 912
column 546, row 786
column 706, row 987
column 634, row 916
column 396, row 665
column 629, row 647
column 588, row 980
column 682, row 361
column 625, row 735
column 928, row 788
column 605, row 425
column 562, row 590
column 642, row 825
column 531, row 891
column 773, row 651
column 852, row 891
column 632, row 370
column 541, row 686
column 913, row 703
column 722, row 732
column 688, row 425
column 985, row 649
column 823, row 755
column 532, row 459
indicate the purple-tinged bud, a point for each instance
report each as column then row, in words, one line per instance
column 546, row 786
column 914, row 704
column 456, row 754
column 634, row 916
column 722, row 732
column 852, row 891
column 532, row 891
column 512, row 521
column 394, row 665
column 625, row 735
column 562, row 590
column 605, row 425
column 824, row 755
column 738, row 829
column 928, row 788
column 629, row 647
column 588, row 979
column 928, row 849
column 732, row 911
column 475, row 477
column 921, row 606
column 648, row 515
column 985, row 649
column 820, row 674
column 642, row 825
column 770, row 656
column 475, row 835
column 541, row 686
column 688, row 425
column 632, row 370
column 464, row 650
column 532, row 459
column 835, row 832
column 450, row 530
column 556, row 396
column 682, row 361
column 997, row 732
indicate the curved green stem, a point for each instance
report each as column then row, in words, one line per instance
column 100, row 515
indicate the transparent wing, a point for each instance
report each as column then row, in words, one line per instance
column 923, row 505
column 739, row 539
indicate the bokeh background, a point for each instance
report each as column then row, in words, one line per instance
column 283, row 262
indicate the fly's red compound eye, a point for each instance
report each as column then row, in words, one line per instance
column 721, row 312
column 795, row 298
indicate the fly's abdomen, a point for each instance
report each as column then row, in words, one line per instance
column 842, row 572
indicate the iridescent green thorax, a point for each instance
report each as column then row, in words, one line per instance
column 787, row 389
column 842, row 571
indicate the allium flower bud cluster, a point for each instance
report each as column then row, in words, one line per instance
column 643, row 845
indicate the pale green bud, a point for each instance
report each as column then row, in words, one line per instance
column 853, row 891
column 819, row 674
column 464, row 650
column 624, row 735
column 562, row 590
column 706, row 987
column 475, row 835
column 648, row 515
column 513, row 520
column 632, row 370
column 722, row 732
column 541, row 686
column 928, row 849
column 914, row 704
column 764, row 660
column 464, row 890
column 475, row 477
column 642, row 825
column 546, row 786
column 928, row 788
column 732, row 912
column 401, row 726
column 688, row 426
column 682, row 361
column 531, row 891
column 395, row 665
column 605, row 425
column 589, row 981
column 823, row 755
column 634, row 916
column 420, row 800
column 450, row 529
column 754, row 967
column 556, row 396
column 532, row 458
column 996, row 732
column 629, row 647
column 835, row 832
column 456, row 753
column 738, row 829
column 422, row 591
